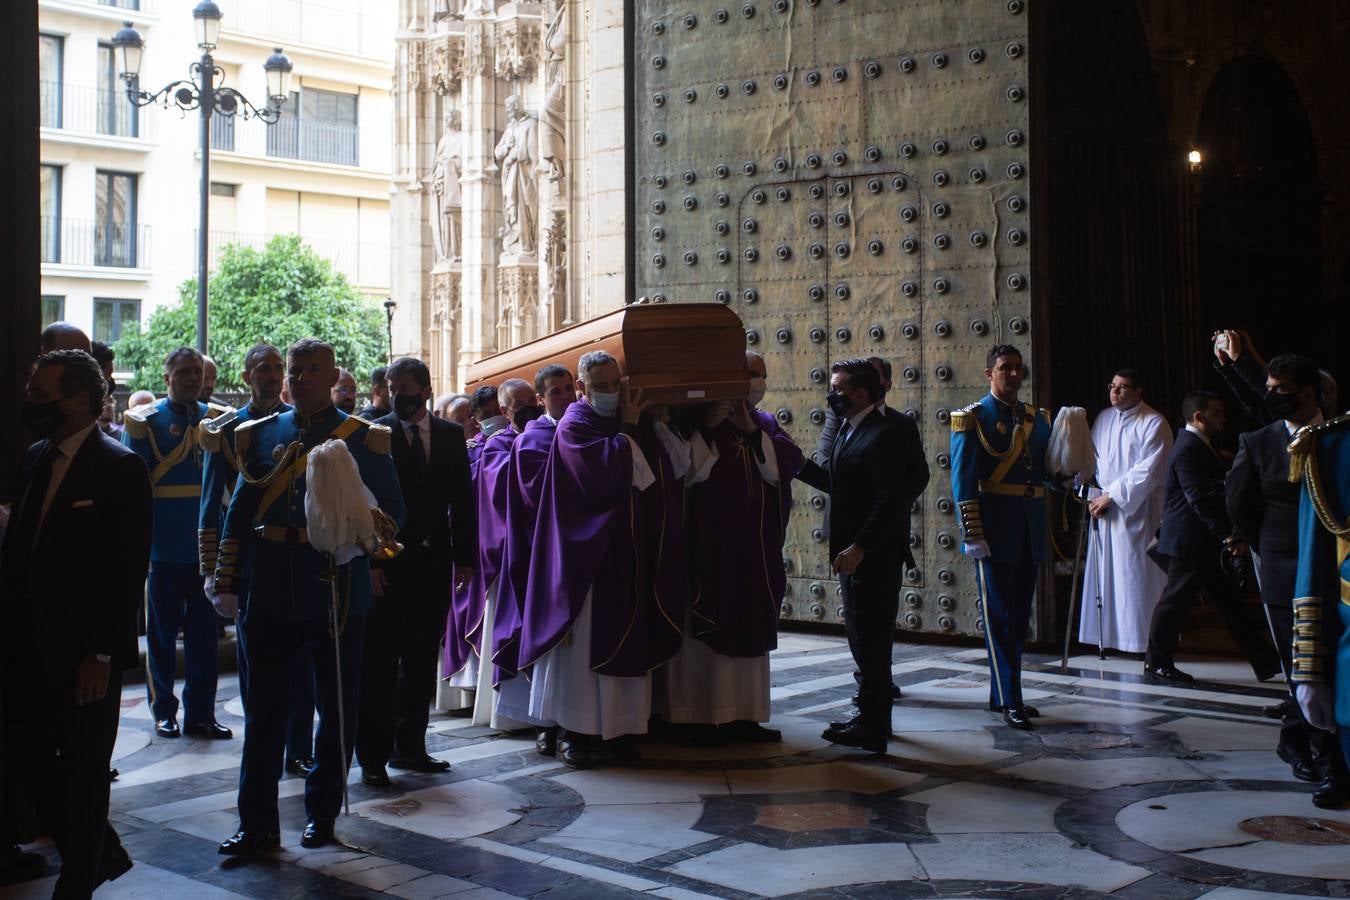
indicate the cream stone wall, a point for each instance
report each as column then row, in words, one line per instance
column 563, row 59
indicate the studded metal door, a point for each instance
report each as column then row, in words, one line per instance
column 851, row 176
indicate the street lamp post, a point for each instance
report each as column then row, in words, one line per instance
column 208, row 94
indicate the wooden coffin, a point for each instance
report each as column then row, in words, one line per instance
column 677, row 353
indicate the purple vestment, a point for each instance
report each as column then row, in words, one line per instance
column 524, row 483
column 584, row 542
column 737, row 523
column 464, row 623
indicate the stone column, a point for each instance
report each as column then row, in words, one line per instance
column 408, row 260
column 482, row 192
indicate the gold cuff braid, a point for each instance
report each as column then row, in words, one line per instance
column 1309, row 652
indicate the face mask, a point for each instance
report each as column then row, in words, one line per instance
column 1281, row 406
column 525, row 415
column 605, row 404
column 492, row 425
column 42, row 418
column 839, row 403
column 758, row 387
column 407, row 405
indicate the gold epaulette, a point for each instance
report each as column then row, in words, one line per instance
column 213, row 429
column 1305, row 441
column 243, row 438
column 136, row 421
column 1045, row 414
column 963, row 419
column 215, row 410
column 378, row 437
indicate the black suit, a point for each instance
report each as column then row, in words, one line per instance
column 405, row 627
column 872, row 477
column 1263, row 505
column 1194, row 526
column 70, row 588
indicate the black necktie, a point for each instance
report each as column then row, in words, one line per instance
column 845, row 427
column 38, row 483
column 419, row 457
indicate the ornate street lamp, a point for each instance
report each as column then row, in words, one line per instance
column 204, row 91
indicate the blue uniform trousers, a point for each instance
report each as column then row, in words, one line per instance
column 1006, row 590
column 272, row 645
column 177, row 599
column 300, row 709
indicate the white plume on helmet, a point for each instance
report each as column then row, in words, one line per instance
column 337, row 503
column 1071, row 451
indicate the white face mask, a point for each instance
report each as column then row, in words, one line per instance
column 605, row 404
column 758, row 387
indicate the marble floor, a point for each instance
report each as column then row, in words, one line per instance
column 1124, row 790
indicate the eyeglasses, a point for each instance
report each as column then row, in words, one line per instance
column 1120, row 388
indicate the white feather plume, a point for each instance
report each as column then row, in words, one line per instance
column 1071, row 451
column 337, row 503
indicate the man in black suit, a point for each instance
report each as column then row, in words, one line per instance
column 868, row 479
column 1195, row 530
column 1263, row 505
column 69, row 605
column 413, row 591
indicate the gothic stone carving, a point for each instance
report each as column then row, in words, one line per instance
column 445, row 63
column 445, row 189
column 517, row 155
column 518, row 301
column 517, row 49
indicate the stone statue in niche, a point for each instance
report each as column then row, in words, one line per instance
column 445, row 9
column 445, row 189
column 516, row 154
column 553, row 116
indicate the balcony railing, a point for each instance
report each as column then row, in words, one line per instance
column 77, row 242
column 334, row 24
column 85, row 110
column 292, row 138
column 147, row 6
column 222, row 132
column 364, row 263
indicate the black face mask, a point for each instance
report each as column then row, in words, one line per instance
column 1281, row 406
column 839, row 403
column 407, row 405
column 42, row 419
column 525, row 415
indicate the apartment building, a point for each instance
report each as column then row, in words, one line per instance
column 120, row 184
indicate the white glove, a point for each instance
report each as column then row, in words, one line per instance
column 1315, row 701
column 208, row 585
column 976, row 549
column 226, row 604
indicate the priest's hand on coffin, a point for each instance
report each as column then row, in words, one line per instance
column 379, row 582
column 847, row 562
column 463, row 575
column 631, row 404
column 1235, row 545
column 1315, row 700
column 1100, row 506
column 741, row 418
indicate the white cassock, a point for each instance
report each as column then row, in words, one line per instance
column 699, row 686
column 566, row 691
column 1132, row 448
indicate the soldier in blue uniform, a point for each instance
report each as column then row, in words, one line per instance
column 1320, row 455
column 263, row 373
column 167, row 435
column 289, row 598
column 998, row 475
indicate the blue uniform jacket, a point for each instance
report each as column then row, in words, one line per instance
column 268, row 522
column 1320, row 456
column 169, row 440
column 220, row 472
column 998, row 487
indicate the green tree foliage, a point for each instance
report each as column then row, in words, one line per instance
column 280, row 294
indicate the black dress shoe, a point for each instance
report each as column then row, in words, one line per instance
column 114, row 868
column 1167, row 674
column 745, row 731
column 1276, row 711
column 1333, row 793
column 855, row 734
column 621, row 750
column 420, row 763
column 546, row 741
column 375, row 776
column 112, row 774
column 1016, row 717
column 837, row 726
column 249, row 843
column 1028, row 710
column 167, row 728
column 1301, row 764
column 895, row 691
column 317, row 833
column 17, row 864
column 300, row 766
column 212, row 731
column 575, row 753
